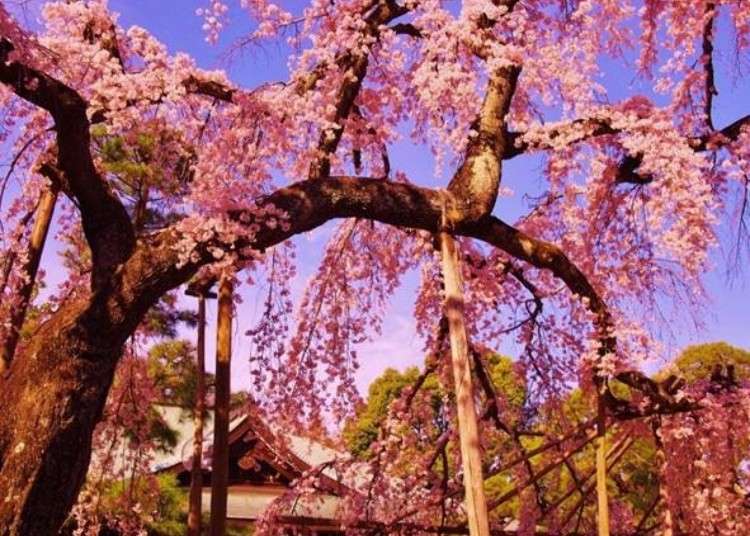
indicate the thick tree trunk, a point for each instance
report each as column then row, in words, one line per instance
column 54, row 393
column 49, row 406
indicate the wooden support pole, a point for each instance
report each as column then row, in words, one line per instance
column 601, row 469
column 582, row 486
column 535, row 477
column 199, row 412
column 614, row 455
column 661, row 462
column 581, row 429
column 528, row 455
column 220, row 465
column 42, row 221
column 667, row 522
column 650, row 510
column 471, row 459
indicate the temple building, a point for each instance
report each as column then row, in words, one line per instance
column 262, row 466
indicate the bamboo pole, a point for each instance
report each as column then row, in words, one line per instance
column 539, row 474
column 615, row 456
column 476, row 504
column 526, row 456
column 220, row 465
column 642, row 524
column 199, row 413
column 602, row 518
column 44, row 212
column 661, row 461
column 583, row 484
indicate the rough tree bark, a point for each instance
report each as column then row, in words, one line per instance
column 54, row 394
column 50, row 403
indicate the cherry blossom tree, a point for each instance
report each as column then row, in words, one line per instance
column 635, row 189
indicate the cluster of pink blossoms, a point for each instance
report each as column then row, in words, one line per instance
column 641, row 240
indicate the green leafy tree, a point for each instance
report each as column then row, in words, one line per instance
column 171, row 365
column 136, row 164
column 698, row 362
column 635, row 480
column 361, row 431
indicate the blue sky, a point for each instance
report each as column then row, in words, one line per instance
column 174, row 22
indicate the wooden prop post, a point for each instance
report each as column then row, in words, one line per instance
column 601, row 469
column 202, row 292
column 661, row 460
column 36, row 247
column 615, row 454
column 220, row 465
column 476, row 504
